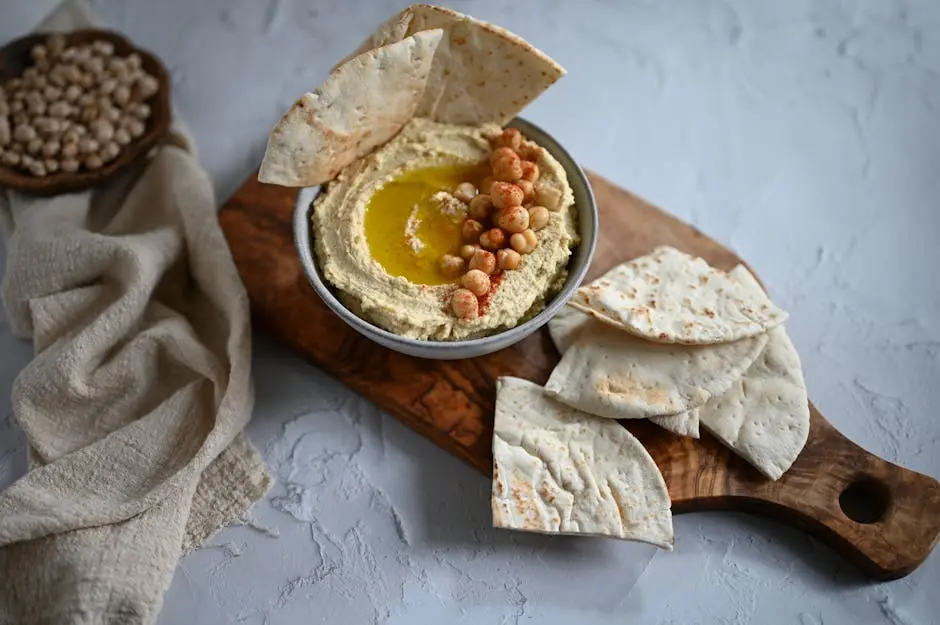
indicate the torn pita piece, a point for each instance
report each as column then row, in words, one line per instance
column 764, row 416
column 671, row 297
column 564, row 328
column 557, row 470
column 613, row 374
column 481, row 73
column 364, row 103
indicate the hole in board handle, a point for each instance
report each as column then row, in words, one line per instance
column 865, row 500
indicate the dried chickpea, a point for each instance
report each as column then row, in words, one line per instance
column 101, row 129
column 530, row 151
column 69, row 150
column 147, row 86
column 88, row 145
column 538, row 217
column 55, row 44
column 104, row 48
column 110, row 151
column 464, row 192
column 39, row 51
column 512, row 219
column 121, row 136
column 486, row 185
column 524, row 242
column 476, row 281
column 70, row 165
column 59, row 110
column 11, row 159
column 451, row 266
column 135, row 127
column 464, row 304
column 34, row 147
column 506, row 194
column 507, row 259
column 37, row 169
column 480, row 207
column 5, row 135
column 471, row 229
column 484, row 261
column 134, row 61
column 51, row 165
column 493, row 239
column 50, row 149
column 142, row 111
column 122, row 95
column 93, row 161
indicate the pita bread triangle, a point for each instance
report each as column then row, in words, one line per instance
column 557, row 470
column 364, row 103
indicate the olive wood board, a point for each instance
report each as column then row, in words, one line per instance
column 896, row 511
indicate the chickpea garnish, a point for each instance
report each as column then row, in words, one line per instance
column 528, row 190
column 480, row 207
column 508, row 168
column 548, row 196
column 510, row 138
column 465, row 192
column 451, row 265
column 524, row 242
column 487, row 184
column 476, row 281
column 484, row 261
column 505, row 194
column 513, row 219
column 471, row 229
column 464, row 304
column 530, row 171
column 499, row 153
column 507, row 259
column 467, row 251
column 538, row 217
column 493, row 239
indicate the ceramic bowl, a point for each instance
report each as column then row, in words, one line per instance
column 470, row 348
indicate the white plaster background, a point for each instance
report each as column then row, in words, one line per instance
column 803, row 134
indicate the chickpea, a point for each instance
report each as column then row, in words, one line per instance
column 548, row 196
column 69, row 150
column 133, row 61
column 505, row 194
column 93, row 161
column 85, row 99
column 108, row 86
column 47, row 125
column 530, row 171
column 512, row 219
column 70, row 165
column 121, row 136
column 122, row 95
column 50, row 149
column 113, row 115
column 467, row 251
column 4, row 108
column 37, row 169
column 60, row 110
column 135, row 127
column 147, row 86
column 110, row 151
column 464, row 304
column 476, row 281
column 510, row 138
column 531, row 151
column 11, row 159
column 508, row 168
column 471, row 229
column 465, row 191
column 55, row 44
column 5, row 135
column 486, row 185
column 101, row 129
column 480, row 207
column 104, row 48
column 484, row 261
column 508, row 259
column 87, row 145
column 524, row 242
column 538, row 217
column 17, row 106
column 89, row 114
column 499, row 153
column 493, row 239
column 34, row 146
column 72, row 92
column 51, row 165
column 39, row 51
column 452, row 266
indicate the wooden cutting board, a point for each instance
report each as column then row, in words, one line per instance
column 883, row 517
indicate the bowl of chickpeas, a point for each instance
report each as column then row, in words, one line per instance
column 76, row 108
column 577, row 268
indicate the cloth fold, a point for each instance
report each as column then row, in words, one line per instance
column 138, row 392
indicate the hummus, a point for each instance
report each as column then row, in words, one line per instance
column 381, row 225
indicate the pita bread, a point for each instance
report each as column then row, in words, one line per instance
column 557, row 470
column 671, row 297
column 764, row 416
column 565, row 326
column 682, row 424
column 363, row 104
column 613, row 374
column 482, row 73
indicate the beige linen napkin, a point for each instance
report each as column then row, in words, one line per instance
column 134, row 402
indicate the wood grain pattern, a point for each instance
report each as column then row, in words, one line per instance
column 14, row 59
column 451, row 402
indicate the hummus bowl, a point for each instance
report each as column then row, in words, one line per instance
column 577, row 268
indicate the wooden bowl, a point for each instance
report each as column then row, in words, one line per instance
column 15, row 58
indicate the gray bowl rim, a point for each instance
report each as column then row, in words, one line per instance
column 303, row 239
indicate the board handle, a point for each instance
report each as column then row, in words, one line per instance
column 883, row 517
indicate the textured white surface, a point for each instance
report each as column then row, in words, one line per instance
column 803, row 134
